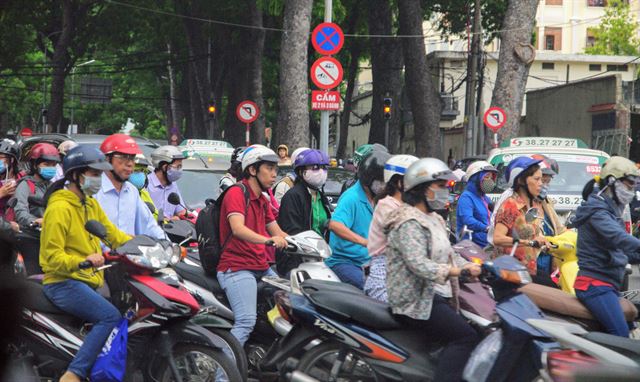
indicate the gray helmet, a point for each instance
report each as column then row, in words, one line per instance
column 426, row 170
column 166, row 153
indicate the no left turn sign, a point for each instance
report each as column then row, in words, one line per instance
column 326, row 72
column 495, row 118
column 247, row 111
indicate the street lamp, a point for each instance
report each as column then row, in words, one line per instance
column 73, row 89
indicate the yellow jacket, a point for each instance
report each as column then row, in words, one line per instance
column 144, row 195
column 64, row 243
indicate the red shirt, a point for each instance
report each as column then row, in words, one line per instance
column 240, row 254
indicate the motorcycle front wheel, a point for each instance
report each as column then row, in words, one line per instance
column 321, row 363
column 197, row 363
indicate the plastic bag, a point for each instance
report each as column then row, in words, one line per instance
column 111, row 363
column 483, row 358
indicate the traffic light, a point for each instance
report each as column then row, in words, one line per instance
column 211, row 108
column 387, row 108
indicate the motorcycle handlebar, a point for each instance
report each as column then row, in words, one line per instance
column 85, row 265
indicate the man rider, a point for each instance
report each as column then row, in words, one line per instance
column 167, row 162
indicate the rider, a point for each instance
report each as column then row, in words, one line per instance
column 526, row 177
column 423, row 269
column 350, row 222
column 283, row 156
column 65, row 244
column 288, row 180
column 360, row 153
column 140, row 181
column 248, row 229
column 235, row 170
column 167, row 163
column 305, row 206
column 62, row 149
column 389, row 200
column 604, row 246
column 120, row 199
column 9, row 174
column 473, row 205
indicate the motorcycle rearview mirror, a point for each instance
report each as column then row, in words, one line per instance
column 96, row 228
column 174, row 199
column 160, row 217
column 531, row 215
column 151, row 207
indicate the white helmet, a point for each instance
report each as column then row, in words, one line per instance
column 257, row 153
column 476, row 167
column 166, row 153
column 426, row 170
column 297, row 152
column 397, row 164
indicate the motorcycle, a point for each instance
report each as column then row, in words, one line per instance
column 164, row 344
column 363, row 341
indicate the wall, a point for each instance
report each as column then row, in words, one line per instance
column 550, row 114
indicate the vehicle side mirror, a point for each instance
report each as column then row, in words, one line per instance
column 174, row 199
column 151, row 207
column 160, row 217
column 96, row 228
column 531, row 215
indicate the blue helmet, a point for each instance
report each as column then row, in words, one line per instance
column 83, row 156
column 311, row 157
column 517, row 166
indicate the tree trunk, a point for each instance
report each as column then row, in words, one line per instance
column 425, row 101
column 386, row 70
column 60, row 62
column 257, row 37
column 197, row 121
column 514, row 61
column 174, row 121
column 293, row 116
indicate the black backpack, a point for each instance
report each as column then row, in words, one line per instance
column 208, row 230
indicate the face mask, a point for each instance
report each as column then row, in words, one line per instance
column 487, row 184
column 315, row 178
column 47, row 172
column 377, row 187
column 440, row 200
column 3, row 167
column 173, row 175
column 91, row 185
column 138, row 179
column 623, row 193
column 544, row 192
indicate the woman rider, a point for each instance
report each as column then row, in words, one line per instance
column 389, row 200
column 423, row 269
column 604, row 246
column 65, row 244
column 473, row 206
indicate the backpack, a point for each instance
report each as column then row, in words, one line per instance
column 208, row 230
column 10, row 213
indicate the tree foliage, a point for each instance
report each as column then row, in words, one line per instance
column 617, row 34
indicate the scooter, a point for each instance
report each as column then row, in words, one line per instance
column 563, row 249
column 362, row 340
column 164, row 344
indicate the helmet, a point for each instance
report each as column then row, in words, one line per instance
column 311, row 157
column 45, row 152
column 120, row 143
column 333, row 162
column 548, row 165
column 478, row 166
column 397, row 164
column 8, row 148
column 141, row 160
column 256, row 154
column 517, row 166
column 372, row 167
column 618, row 168
column 237, row 154
column 66, row 146
column 286, row 149
column 83, row 156
column 426, row 170
column 166, row 153
column 364, row 150
column 297, row 152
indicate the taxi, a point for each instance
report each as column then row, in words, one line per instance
column 211, row 151
column 577, row 162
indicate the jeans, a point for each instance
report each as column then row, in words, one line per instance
column 350, row 274
column 78, row 299
column 241, row 288
column 447, row 326
column 604, row 304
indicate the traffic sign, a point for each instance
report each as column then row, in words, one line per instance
column 26, row 132
column 247, row 111
column 325, row 100
column 326, row 72
column 327, row 38
column 495, row 118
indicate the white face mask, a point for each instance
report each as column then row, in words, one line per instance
column 440, row 200
column 623, row 193
column 377, row 187
column 315, row 178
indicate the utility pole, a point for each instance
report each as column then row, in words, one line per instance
column 324, row 115
column 472, row 68
column 70, row 130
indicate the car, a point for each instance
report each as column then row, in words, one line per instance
column 95, row 140
column 335, row 179
column 200, row 181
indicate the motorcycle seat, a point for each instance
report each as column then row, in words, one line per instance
column 198, row 276
column 36, row 301
column 347, row 302
column 555, row 300
column 621, row 344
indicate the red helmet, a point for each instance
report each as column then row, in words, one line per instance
column 120, row 143
column 44, row 151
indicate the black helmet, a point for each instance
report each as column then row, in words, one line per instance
column 8, row 148
column 83, row 156
column 237, row 152
column 372, row 167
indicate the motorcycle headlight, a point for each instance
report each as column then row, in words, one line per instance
column 174, row 254
column 152, row 257
column 516, row 277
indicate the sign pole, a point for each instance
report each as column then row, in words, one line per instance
column 247, row 137
column 324, row 115
column 495, row 140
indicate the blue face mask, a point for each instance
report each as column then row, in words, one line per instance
column 47, row 173
column 3, row 167
column 138, row 179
